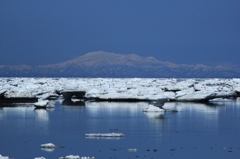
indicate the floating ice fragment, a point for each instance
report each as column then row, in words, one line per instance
column 152, row 108
column 39, row 158
column 72, row 157
column 50, row 105
column 49, row 147
column 157, row 106
column 44, row 104
column 104, row 135
column 76, row 157
column 132, row 150
column 41, row 103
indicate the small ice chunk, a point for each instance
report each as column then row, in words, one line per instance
column 39, row 158
column 48, row 145
column 50, row 105
column 4, row 157
column 72, row 157
column 76, row 157
column 152, row 108
column 41, row 103
column 132, row 150
column 104, row 135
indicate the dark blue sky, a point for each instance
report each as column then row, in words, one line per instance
column 37, row 32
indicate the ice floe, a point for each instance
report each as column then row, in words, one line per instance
column 102, row 135
column 50, row 147
column 44, row 104
column 41, row 103
column 70, row 157
column 148, row 89
column 76, row 157
column 132, row 150
column 152, row 108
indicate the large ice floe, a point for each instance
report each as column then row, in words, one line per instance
column 146, row 89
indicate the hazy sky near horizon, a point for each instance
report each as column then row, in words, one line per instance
column 38, row 32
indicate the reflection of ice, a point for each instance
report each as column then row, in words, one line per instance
column 42, row 115
column 42, row 119
column 48, row 149
column 192, row 107
column 20, row 112
column 155, row 115
column 224, row 101
column 22, row 118
column 205, row 115
column 132, row 108
column 200, row 117
column 1, row 113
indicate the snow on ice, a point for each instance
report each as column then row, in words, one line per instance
column 122, row 88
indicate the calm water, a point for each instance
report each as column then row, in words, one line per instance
column 196, row 131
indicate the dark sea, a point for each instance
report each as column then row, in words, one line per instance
column 196, row 131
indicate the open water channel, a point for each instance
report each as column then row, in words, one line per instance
column 196, row 131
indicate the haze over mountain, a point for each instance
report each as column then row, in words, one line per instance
column 105, row 64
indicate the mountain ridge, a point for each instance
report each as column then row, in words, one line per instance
column 94, row 58
column 107, row 64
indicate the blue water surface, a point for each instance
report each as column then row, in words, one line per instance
column 196, row 131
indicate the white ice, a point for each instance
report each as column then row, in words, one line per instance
column 48, row 145
column 76, row 157
column 4, row 157
column 104, row 135
column 41, row 103
column 152, row 108
column 123, row 88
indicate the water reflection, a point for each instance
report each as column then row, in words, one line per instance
column 95, row 108
column 1, row 113
column 42, row 115
column 48, row 149
column 187, row 133
column 193, row 107
column 21, row 119
column 191, row 117
column 155, row 115
column 21, row 112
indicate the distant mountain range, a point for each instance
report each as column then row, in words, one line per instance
column 105, row 64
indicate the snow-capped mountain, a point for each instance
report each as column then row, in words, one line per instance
column 105, row 64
